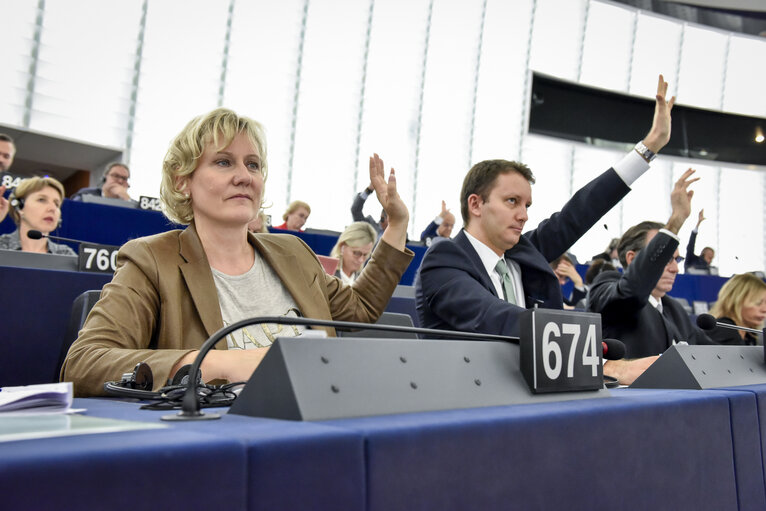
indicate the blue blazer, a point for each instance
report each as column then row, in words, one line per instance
column 454, row 292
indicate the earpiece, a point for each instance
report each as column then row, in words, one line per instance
column 16, row 202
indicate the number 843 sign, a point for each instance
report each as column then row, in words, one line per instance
column 561, row 350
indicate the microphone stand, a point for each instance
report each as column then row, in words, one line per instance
column 190, row 409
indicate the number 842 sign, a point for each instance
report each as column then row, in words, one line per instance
column 561, row 350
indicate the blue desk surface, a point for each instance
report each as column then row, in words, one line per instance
column 640, row 449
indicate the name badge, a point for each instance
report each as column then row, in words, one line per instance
column 96, row 258
column 561, row 351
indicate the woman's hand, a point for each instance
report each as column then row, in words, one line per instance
column 398, row 214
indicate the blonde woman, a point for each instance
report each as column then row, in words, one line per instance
column 171, row 291
column 296, row 216
column 741, row 302
column 352, row 250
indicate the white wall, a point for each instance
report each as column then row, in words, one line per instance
column 433, row 86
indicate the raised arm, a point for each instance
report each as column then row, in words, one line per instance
column 659, row 134
column 398, row 214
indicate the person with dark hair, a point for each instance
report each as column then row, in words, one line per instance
column 565, row 271
column 440, row 227
column 358, row 215
column 114, row 184
column 705, row 259
column 7, row 152
column 634, row 305
column 741, row 302
column 610, row 254
column 485, row 277
column 597, row 267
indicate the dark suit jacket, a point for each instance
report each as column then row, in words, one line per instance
column 692, row 260
column 623, row 302
column 454, row 292
column 429, row 233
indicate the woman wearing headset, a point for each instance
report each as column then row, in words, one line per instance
column 34, row 205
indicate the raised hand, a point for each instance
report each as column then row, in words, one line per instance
column 659, row 134
column 388, row 196
column 681, row 201
column 701, row 217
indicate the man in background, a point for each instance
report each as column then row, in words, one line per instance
column 440, row 227
column 704, row 260
column 7, row 152
column 358, row 215
column 634, row 305
column 114, row 184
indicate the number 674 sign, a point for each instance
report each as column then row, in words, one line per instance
column 561, row 350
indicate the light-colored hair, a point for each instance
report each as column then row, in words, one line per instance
column 31, row 185
column 735, row 294
column 218, row 127
column 355, row 235
column 264, row 222
column 293, row 207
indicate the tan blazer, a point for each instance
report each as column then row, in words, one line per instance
column 162, row 302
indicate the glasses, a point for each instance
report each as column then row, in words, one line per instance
column 120, row 178
column 677, row 259
column 358, row 254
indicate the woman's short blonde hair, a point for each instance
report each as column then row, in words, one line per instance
column 735, row 293
column 355, row 235
column 29, row 186
column 293, row 207
column 218, row 127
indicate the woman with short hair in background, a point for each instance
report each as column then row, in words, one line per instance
column 296, row 216
column 35, row 204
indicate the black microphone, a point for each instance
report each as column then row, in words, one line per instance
column 708, row 322
column 190, row 409
column 36, row 235
column 613, row 349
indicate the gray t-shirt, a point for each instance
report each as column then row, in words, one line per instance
column 258, row 292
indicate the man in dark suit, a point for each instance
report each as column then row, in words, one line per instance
column 705, row 259
column 634, row 306
column 481, row 280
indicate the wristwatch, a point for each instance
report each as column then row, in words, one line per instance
column 645, row 153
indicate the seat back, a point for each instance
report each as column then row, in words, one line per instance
column 387, row 318
column 80, row 309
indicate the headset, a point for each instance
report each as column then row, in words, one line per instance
column 139, row 383
column 15, row 201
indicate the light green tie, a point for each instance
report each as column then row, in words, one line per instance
column 502, row 268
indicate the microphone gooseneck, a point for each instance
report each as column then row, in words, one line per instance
column 708, row 322
column 36, row 235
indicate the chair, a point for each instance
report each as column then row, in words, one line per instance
column 80, row 309
column 387, row 318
